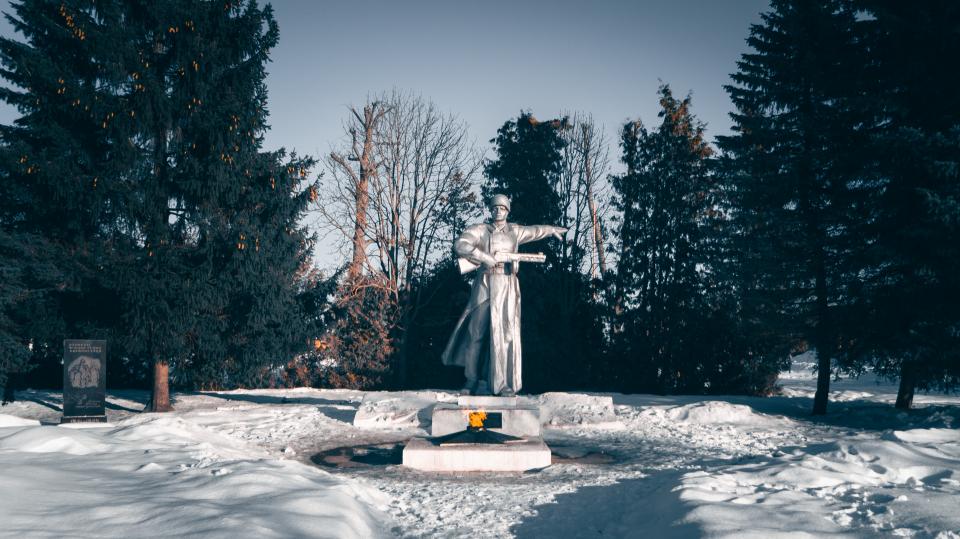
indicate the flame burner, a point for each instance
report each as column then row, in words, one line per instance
column 476, row 431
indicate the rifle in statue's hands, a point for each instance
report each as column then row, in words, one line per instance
column 466, row 266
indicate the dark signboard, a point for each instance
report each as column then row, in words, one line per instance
column 84, row 380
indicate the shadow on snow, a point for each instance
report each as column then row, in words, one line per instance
column 647, row 507
column 334, row 409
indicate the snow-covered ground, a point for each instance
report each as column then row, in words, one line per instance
column 324, row 463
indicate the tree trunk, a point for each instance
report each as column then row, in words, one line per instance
column 160, row 398
column 360, row 225
column 362, row 193
column 908, row 383
column 400, row 376
column 9, row 390
column 823, row 341
column 823, row 383
column 594, row 218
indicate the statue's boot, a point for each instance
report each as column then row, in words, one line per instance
column 482, row 389
column 508, row 393
column 468, row 388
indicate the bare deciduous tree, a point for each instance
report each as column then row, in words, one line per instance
column 583, row 193
column 350, row 185
column 427, row 163
column 405, row 182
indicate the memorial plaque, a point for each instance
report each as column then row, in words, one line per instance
column 84, row 381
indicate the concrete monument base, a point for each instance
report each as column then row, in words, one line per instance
column 515, row 421
column 427, row 455
column 507, row 415
column 487, row 401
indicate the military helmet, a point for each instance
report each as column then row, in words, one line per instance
column 500, row 200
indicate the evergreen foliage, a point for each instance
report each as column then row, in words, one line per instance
column 138, row 156
column 674, row 329
column 796, row 173
column 28, row 279
column 911, row 320
column 57, row 167
column 527, row 168
column 444, row 294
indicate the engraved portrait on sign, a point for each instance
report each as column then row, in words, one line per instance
column 84, row 372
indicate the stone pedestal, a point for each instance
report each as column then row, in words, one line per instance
column 484, row 402
column 516, row 417
column 80, row 419
column 426, row 455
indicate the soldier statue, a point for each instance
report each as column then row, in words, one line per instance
column 486, row 341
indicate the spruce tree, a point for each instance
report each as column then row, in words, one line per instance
column 60, row 181
column 527, row 168
column 29, row 278
column 147, row 120
column 797, row 154
column 674, row 326
column 221, row 240
column 913, row 286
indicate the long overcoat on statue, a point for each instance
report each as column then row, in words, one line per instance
column 486, row 340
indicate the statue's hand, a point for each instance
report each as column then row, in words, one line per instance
column 558, row 232
column 486, row 259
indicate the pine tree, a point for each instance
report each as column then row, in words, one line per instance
column 672, row 256
column 29, row 277
column 147, row 120
column 527, row 168
column 221, row 239
column 913, row 284
column 797, row 156
column 58, row 192
column 255, row 253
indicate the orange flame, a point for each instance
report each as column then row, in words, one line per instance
column 476, row 418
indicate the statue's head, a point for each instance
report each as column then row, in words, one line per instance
column 499, row 207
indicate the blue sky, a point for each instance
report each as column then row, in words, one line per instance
column 485, row 61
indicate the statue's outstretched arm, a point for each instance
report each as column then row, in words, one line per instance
column 526, row 234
